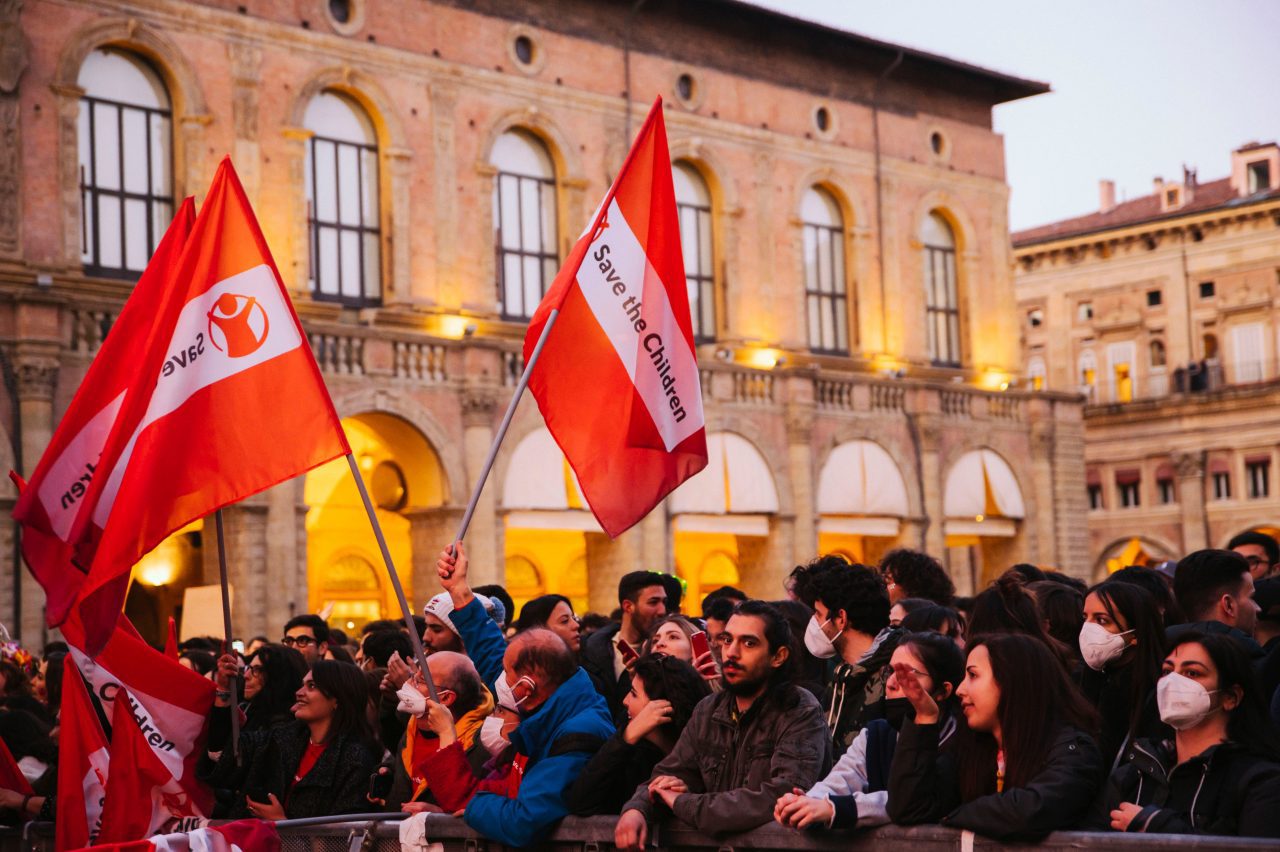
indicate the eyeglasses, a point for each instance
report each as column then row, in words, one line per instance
column 255, row 670
column 1256, row 560
column 300, row 641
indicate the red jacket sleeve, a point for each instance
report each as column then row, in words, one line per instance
column 449, row 778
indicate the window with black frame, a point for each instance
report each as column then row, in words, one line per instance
column 343, row 205
column 693, row 209
column 524, row 222
column 942, row 301
column 125, row 162
column 826, row 298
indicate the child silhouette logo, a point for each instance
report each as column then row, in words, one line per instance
column 238, row 325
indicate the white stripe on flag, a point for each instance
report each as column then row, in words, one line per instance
column 69, row 477
column 630, row 303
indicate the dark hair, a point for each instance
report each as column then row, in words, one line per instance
column 1065, row 580
column 671, row 679
column 919, row 575
column 1007, row 607
column 632, row 584
column 1028, row 572
column 800, row 581
column 202, row 662
column 1203, row 577
column 1154, row 583
column 777, row 632
column 675, row 591
column 1262, row 540
column 1133, row 609
column 1249, row 724
column 493, row 590
column 207, row 644
column 910, row 605
column 1036, row 699
column 317, row 624
column 27, row 736
column 536, row 652
column 536, row 612
column 381, row 644
column 57, row 646
column 282, row 672
column 16, row 681
column 858, row 591
column 1061, row 606
column 592, row 621
column 934, row 619
column 55, row 664
column 942, row 659
column 724, row 592
column 720, row 609
column 420, row 624
column 340, row 653
column 345, row 683
column 338, row 637
column 381, row 624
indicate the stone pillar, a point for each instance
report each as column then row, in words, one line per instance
column 655, row 541
column 68, row 116
column 397, row 273
column 431, row 528
column 13, row 62
column 607, row 561
column 1190, row 471
column 37, row 374
column 484, row 537
column 249, row 571
column 1070, row 498
column 1039, row 526
column 246, row 74
column 803, row 497
column 935, row 536
column 294, row 258
column 765, row 562
column 444, row 101
column 284, row 551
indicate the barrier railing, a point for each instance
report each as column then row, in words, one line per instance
column 380, row 833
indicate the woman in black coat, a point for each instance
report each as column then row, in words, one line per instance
column 664, row 691
column 1024, row 764
column 1220, row 773
column 317, row 765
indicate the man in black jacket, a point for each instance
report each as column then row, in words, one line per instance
column 643, row 600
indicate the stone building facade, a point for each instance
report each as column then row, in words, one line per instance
column 844, row 209
column 1163, row 311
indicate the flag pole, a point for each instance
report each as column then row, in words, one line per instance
column 416, row 640
column 226, row 631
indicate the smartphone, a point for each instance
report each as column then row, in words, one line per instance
column 628, row 653
column 237, row 645
column 700, row 644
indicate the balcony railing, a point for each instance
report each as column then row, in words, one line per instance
column 1199, row 377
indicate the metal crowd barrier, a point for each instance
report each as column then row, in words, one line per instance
column 380, row 833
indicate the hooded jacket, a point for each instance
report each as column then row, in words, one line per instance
column 558, row 739
column 736, row 766
column 1224, row 790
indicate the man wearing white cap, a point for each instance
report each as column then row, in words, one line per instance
column 441, row 634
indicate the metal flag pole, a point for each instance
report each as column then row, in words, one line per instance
column 418, row 652
column 226, row 632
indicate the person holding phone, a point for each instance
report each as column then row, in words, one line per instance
column 679, row 637
column 664, row 691
column 642, row 597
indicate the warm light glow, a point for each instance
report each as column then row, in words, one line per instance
column 452, row 326
column 978, row 518
column 160, row 567
column 762, row 359
column 366, row 462
column 993, row 379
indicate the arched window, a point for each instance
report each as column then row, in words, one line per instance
column 942, row 301
column 1158, row 357
column 693, row 207
column 343, row 207
column 524, row 222
column 126, row 162
column 826, row 302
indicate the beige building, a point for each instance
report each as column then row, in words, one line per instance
column 419, row 171
column 1163, row 312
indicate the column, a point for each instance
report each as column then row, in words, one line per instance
column 1190, row 471
column 484, row 537
column 1070, row 498
column 1041, row 519
column 765, row 562
column 607, row 561
column 445, row 196
column 655, row 541
column 285, row 550
column 37, row 374
column 800, row 460
column 246, row 74
column 253, row 578
column 293, row 258
column 431, row 528
column 13, row 61
column 398, row 275
column 935, row 536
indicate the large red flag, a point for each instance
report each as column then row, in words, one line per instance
column 141, row 795
column 223, row 400
column 169, row 702
column 617, row 381
column 82, row 767
column 48, row 508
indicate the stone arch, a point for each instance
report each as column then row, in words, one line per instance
column 364, row 90
column 368, row 400
column 852, row 207
column 949, row 459
column 719, row 178
column 756, row 437
column 1158, row 542
column 905, row 461
column 533, row 120
column 950, row 208
column 1265, row 524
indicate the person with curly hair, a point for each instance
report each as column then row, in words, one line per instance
column 912, row 574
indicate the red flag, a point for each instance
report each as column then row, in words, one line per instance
column 169, row 702
column 11, row 777
column 82, row 767
column 617, row 381
column 171, row 641
column 246, row 835
column 223, row 400
column 141, row 794
column 48, row 509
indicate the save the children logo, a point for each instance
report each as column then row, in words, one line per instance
column 238, row 325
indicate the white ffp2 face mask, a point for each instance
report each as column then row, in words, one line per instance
column 411, row 700
column 1099, row 646
column 491, row 735
column 816, row 641
column 1183, row 703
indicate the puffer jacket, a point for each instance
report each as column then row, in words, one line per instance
column 924, row 787
column 1224, row 790
column 735, row 766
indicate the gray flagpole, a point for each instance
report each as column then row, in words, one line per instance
column 226, row 631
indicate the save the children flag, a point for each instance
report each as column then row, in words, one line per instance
column 82, row 767
column 209, row 394
column 617, row 380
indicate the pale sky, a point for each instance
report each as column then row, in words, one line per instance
column 1139, row 86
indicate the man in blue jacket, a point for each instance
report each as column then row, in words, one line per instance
column 563, row 720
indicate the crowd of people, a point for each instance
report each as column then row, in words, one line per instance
column 1149, row 702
